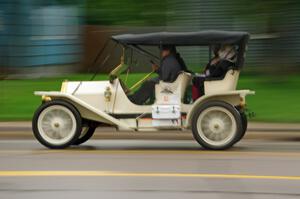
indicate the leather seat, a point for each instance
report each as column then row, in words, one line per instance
column 228, row 83
column 176, row 88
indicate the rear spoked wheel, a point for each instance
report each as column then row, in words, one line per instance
column 217, row 125
column 244, row 124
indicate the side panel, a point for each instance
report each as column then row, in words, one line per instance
column 92, row 92
column 122, row 105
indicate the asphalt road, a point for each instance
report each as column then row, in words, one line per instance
column 257, row 167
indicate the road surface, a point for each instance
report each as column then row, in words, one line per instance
column 264, row 165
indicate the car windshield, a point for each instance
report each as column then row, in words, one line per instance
column 136, row 59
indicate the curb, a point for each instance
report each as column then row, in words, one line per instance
column 22, row 130
column 252, row 126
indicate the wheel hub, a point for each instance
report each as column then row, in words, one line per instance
column 57, row 124
column 216, row 125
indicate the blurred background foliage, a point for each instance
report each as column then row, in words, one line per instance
column 126, row 12
column 273, row 24
column 274, row 27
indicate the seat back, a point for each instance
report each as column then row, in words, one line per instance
column 176, row 88
column 228, row 83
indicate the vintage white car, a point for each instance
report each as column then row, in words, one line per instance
column 217, row 119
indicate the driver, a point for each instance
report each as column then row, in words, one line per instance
column 168, row 71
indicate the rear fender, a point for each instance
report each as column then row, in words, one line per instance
column 235, row 98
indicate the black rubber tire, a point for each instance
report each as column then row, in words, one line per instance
column 86, row 136
column 60, row 103
column 245, row 125
column 236, row 116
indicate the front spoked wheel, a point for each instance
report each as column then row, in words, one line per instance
column 56, row 124
column 217, row 125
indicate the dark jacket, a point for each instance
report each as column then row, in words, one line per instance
column 169, row 69
column 182, row 63
column 219, row 69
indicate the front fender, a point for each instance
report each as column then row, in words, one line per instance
column 236, row 98
column 87, row 111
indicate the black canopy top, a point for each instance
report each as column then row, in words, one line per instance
column 184, row 38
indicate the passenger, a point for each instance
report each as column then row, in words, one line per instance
column 168, row 72
column 225, row 57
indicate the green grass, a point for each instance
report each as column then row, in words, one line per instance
column 276, row 99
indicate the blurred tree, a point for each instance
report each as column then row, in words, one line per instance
column 273, row 13
column 269, row 17
column 126, row 12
